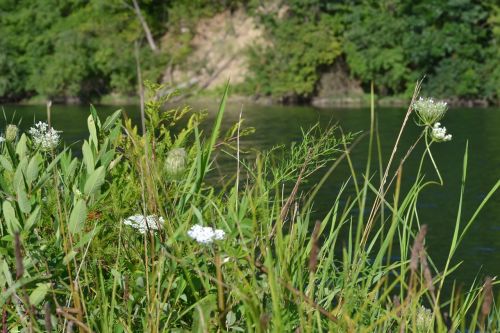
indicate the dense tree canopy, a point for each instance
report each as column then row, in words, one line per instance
column 86, row 49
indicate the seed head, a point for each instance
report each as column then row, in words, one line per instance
column 423, row 320
column 11, row 132
column 175, row 163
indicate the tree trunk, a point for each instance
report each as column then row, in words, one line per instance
column 145, row 26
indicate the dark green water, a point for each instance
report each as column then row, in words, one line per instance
column 480, row 250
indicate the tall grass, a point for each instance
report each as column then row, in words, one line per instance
column 68, row 262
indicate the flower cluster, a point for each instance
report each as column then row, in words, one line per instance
column 429, row 111
column 439, row 133
column 2, row 139
column 205, row 235
column 44, row 136
column 151, row 222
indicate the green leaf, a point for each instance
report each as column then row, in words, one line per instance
column 88, row 157
column 22, row 200
column 95, row 180
column 77, row 217
column 92, row 131
column 11, row 220
column 6, row 164
column 111, row 120
column 33, row 219
column 33, row 169
column 39, row 293
column 22, row 147
column 202, row 313
column 93, row 112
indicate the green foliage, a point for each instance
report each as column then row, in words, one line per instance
column 67, row 50
column 67, row 258
column 394, row 42
column 300, row 46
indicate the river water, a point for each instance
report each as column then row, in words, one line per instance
column 275, row 125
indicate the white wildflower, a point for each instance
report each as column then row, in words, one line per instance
column 439, row 133
column 151, row 222
column 2, row 139
column 429, row 111
column 44, row 136
column 205, row 235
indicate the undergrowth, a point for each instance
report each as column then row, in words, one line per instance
column 106, row 243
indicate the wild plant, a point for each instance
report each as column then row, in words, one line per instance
column 133, row 236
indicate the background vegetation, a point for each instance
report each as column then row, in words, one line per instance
column 85, row 49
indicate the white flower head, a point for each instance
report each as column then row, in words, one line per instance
column 429, row 111
column 438, row 133
column 44, row 136
column 151, row 222
column 2, row 139
column 205, row 235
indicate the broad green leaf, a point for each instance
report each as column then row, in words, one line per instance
column 39, row 293
column 6, row 164
column 95, row 180
column 92, row 131
column 18, row 180
column 88, row 157
column 22, row 147
column 77, row 217
column 22, row 200
column 33, row 168
column 11, row 220
column 93, row 112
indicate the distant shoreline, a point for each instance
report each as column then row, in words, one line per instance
column 319, row 102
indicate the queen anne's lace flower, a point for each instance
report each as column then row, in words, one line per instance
column 44, row 136
column 205, row 235
column 151, row 222
column 439, row 133
column 429, row 111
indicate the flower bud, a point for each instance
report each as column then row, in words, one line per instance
column 11, row 132
column 175, row 163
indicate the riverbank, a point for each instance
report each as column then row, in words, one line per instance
column 132, row 235
column 211, row 97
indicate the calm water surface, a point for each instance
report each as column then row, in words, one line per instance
column 480, row 250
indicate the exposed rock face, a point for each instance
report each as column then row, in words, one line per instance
column 218, row 51
column 337, row 87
